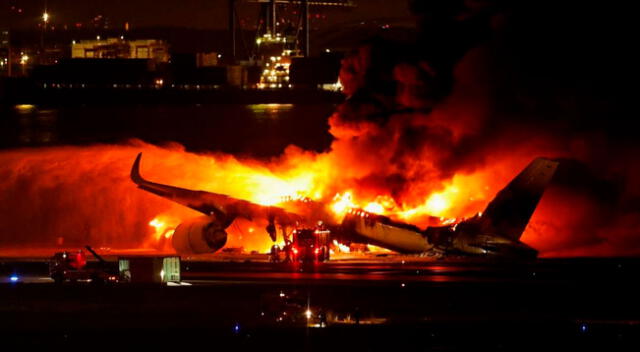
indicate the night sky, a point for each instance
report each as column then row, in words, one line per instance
column 203, row 14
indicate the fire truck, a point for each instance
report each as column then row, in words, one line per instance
column 310, row 245
column 72, row 266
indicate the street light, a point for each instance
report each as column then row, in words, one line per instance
column 24, row 60
column 45, row 22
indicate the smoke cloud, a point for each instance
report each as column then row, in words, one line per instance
column 487, row 88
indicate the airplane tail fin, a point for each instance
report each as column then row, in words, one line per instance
column 509, row 212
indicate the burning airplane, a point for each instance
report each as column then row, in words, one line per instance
column 429, row 131
column 494, row 232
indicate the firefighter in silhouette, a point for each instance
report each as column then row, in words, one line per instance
column 274, row 255
column 287, row 250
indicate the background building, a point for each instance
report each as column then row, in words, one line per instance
column 4, row 52
column 118, row 48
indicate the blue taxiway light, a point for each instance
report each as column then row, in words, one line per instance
column 14, row 278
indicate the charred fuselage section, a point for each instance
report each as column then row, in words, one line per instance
column 495, row 232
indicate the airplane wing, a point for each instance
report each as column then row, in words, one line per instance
column 223, row 207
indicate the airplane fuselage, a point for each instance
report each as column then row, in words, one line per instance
column 465, row 238
column 380, row 231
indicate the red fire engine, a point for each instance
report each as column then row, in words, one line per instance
column 310, row 245
column 72, row 266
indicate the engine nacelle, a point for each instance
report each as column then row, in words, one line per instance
column 198, row 236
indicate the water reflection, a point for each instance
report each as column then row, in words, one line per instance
column 24, row 108
column 35, row 126
column 298, row 308
column 269, row 110
column 259, row 130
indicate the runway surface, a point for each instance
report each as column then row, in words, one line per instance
column 357, row 304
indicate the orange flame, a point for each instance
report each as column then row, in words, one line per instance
column 164, row 226
column 342, row 202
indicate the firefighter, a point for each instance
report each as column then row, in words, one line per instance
column 275, row 254
column 287, row 250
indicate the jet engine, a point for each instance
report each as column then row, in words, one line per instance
column 198, row 236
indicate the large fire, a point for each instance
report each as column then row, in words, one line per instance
column 274, row 190
column 85, row 195
column 424, row 140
